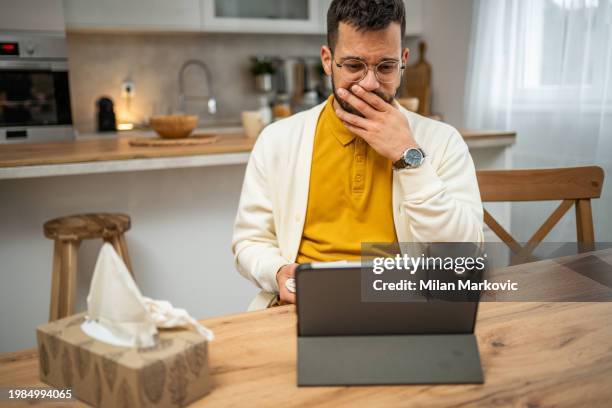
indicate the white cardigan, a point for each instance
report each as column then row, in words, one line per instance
column 437, row 202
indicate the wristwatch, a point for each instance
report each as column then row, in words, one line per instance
column 411, row 159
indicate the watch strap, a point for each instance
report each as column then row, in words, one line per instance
column 401, row 162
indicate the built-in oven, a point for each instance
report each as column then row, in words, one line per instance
column 34, row 92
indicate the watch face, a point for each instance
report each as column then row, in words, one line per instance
column 413, row 157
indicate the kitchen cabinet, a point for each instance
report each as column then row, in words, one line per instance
column 322, row 9
column 262, row 16
column 32, row 15
column 133, row 15
column 414, row 16
column 230, row 16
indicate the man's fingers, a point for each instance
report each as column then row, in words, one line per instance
column 371, row 98
column 291, row 270
column 287, row 296
column 358, row 131
column 285, row 273
column 352, row 119
column 357, row 103
column 288, row 270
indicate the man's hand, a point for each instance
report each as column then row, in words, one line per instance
column 384, row 127
column 284, row 273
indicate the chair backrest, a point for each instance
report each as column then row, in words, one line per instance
column 573, row 185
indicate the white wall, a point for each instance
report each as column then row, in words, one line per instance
column 447, row 26
column 179, row 241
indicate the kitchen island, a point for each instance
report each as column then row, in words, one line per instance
column 182, row 202
column 111, row 153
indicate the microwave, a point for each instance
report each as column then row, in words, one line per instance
column 34, row 91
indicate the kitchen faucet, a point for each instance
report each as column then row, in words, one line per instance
column 211, row 101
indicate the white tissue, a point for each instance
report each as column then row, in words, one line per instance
column 166, row 316
column 118, row 314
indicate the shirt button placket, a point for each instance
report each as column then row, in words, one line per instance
column 359, row 166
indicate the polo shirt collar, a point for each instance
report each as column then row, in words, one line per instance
column 338, row 129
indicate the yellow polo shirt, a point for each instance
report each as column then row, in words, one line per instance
column 350, row 194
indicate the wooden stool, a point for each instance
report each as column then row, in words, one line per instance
column 68, row 232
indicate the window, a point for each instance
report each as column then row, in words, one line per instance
column 563, row 41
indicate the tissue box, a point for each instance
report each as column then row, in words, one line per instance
column 174, row 372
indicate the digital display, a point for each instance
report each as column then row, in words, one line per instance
column 9, row 48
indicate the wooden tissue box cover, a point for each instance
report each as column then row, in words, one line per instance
column 172, row 373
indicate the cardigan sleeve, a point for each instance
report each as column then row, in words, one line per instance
column 254, row 242
column 442, row 203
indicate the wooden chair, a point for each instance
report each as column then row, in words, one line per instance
column 573, row 185
column 68, row 232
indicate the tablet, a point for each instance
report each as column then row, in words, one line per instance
column 345, row 341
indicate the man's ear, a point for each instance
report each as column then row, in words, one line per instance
column 405, row 56
column 326, row 59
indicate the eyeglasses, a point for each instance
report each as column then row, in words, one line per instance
column 354, row 70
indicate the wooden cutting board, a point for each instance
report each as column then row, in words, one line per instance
column 417, row 81
column 195, row 139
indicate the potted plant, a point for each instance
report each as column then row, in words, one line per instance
column 262, row 69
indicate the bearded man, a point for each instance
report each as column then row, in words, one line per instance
column 357, row 168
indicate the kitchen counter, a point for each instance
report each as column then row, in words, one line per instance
column 113, row 153
column 106, row 154
column 478, row 139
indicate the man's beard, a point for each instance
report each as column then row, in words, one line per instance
column 350, row 109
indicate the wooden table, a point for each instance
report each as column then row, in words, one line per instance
column 533, row 355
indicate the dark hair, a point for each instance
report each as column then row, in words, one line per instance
column 364, row 15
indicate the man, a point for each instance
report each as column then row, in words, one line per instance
column 357, row 168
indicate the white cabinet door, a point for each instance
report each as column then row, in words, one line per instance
column 414, row 16
column 323, row 6
column 261, row 16
column 31, row 15
column 137, row 15
column 237, row 16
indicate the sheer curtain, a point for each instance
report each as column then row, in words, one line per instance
column 544, row 69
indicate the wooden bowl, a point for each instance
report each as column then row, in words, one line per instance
column 174, row 126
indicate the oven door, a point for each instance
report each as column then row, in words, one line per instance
column 34, row 101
